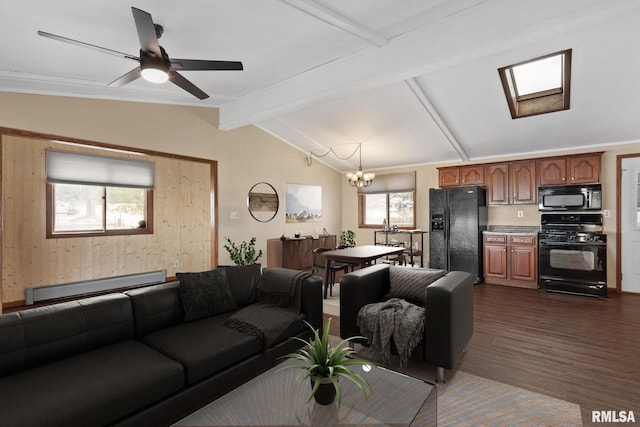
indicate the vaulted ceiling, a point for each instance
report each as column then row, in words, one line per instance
column 413, row 81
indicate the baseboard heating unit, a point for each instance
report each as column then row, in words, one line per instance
column 66, row 290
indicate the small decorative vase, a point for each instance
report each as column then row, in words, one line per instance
column 326, row 393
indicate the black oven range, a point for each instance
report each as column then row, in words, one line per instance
column 572, row 254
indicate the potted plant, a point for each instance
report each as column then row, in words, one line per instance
column 245, row 253
column 324, row 364
column 347, row 239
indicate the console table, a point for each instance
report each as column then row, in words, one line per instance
column 414, row 244
column 296, row 253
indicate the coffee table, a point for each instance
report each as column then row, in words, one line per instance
column 279, row 399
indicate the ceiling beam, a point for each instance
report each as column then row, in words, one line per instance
column 337, row 20
column 435, row 45
column 420, row 94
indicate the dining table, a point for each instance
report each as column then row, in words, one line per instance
column 360, row 255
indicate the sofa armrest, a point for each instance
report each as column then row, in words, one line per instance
column 357, row 289
column 448, row 318
column 311, row 305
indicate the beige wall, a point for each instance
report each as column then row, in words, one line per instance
column 427, row 177
column 245, row 156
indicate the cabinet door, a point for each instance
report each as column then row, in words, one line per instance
column 495, row 262
column 449, row 177
column 498, row 184
column 584, row 169
column 553, row 171
column 523, row 183
column 523, row 263
column 472, row 175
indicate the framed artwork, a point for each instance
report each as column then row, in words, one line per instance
column 303, row 203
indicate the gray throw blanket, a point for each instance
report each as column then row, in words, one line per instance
column 278, row 307
column 394, row 318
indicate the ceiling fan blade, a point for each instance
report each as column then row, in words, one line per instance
column 180, row 80
column 87, row 45
column 197, row 64
column 127, row 78
column 146, row 32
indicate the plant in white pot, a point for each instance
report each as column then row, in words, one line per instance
column 324, row 364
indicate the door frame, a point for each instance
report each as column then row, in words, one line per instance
column 619, row 158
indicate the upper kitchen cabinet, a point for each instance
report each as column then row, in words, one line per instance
column 511, row 183
column 449, row 177
column 461, row 176
column 523, row 183
column 498, row 184
column 579, row 169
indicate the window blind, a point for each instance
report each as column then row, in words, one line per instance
column 392, row 183
column 69, row 167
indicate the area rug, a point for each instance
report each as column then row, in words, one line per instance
column 468, row 400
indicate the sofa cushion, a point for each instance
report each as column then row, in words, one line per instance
column 41, row 335
column 90, row 389
column 243, row 280
column 204, row 346
column 205, row 294
column 411, row 283
column 156, row 307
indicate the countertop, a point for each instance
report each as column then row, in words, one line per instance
column 513, row 229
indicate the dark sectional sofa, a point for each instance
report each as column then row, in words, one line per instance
column 446, row 296
column 130, row 359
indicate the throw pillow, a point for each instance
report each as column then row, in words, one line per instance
column 205, row 294
column 411, row 283
column 243, row 280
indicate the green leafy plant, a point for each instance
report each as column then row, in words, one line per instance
column 321, row 360
column 245, row 253
column 347, row 238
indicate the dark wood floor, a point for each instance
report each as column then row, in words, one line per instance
column 580, row 349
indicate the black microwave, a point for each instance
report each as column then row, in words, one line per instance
column 570, row 198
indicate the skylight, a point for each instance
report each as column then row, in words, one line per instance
column 538, row 86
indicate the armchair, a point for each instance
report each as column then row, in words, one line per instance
column 448, row 316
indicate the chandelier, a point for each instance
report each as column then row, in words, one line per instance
column 355, row 179
column 358, row 178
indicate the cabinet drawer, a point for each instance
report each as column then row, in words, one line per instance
column 495, row 238
column 523, row 240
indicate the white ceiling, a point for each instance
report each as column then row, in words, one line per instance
column 413, row 81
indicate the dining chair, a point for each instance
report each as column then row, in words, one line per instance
column 319, row 264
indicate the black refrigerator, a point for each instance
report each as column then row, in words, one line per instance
column 457, row 218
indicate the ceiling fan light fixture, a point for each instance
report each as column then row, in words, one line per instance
column 155, row 73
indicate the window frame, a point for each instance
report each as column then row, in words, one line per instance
column 50, row 214
column 362, row 211
column 542, row 102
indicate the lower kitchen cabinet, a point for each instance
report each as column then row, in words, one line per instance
column 511, row 259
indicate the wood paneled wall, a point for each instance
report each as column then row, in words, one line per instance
column 182, row 224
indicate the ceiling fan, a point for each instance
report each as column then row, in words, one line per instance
column 155, row 65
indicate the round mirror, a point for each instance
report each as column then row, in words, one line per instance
column 263, row 202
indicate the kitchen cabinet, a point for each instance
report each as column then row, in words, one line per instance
column 498, row 184
column 449, row 177
column 523, row 183
column 580, row 169
column 511, row 259
column 511, row 183
column 461, row 176
column 296, row 253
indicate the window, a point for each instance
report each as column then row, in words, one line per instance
column 391, row 198
column 397, row 208
column 90, row 195
column 538, row 86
